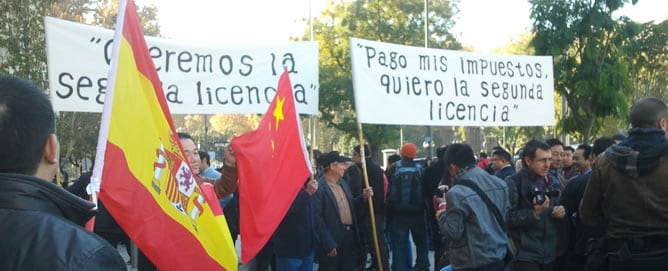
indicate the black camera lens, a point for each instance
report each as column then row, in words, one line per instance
column 538, row 194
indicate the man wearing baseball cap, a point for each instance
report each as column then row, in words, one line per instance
column 335, row 216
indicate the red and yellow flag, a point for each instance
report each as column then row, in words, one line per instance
column 273, row 165
column 146, row 181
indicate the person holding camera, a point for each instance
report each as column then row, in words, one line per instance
column 534, row 213
column 471, row 214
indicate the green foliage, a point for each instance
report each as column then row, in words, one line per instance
column 400, row 22
column 22, row 47
column 648, row 52
column 23, row 53
column 590, row 65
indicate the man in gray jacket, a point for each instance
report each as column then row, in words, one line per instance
column 476, row 240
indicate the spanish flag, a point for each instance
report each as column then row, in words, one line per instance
column 144, row 178
column 273, row 166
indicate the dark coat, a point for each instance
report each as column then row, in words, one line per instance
column 580, row 233
column 104, row 222
column 328, row 225
column 354, row 176
column 634, row 172
column 505, row 172
column 42, row 229
column 296, row 237
column 536, row 237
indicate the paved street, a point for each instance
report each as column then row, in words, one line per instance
column 122, row 251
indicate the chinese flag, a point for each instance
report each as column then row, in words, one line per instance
column 273, row 165
column 143, row 176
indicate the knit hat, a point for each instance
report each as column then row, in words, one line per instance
column 408, row 150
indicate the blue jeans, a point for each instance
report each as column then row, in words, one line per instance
column 399, row 229
column 295, row 264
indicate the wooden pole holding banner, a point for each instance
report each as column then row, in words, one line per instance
column 370, row 199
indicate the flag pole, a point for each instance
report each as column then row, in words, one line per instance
column 379, row 261
column 312, row 119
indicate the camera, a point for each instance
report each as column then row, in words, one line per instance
column 539, row 193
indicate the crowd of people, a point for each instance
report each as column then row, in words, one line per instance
column 593, row 207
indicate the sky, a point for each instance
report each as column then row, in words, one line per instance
column 481, row 24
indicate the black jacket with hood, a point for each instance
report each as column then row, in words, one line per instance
column 628, row 189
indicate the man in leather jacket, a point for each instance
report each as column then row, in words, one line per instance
column 42, row 225
column 627, row 192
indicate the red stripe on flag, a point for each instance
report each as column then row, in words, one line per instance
column 125, row 193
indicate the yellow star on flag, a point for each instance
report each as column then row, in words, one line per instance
column 278, row 112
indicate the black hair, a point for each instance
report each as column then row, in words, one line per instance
column 503, row 154
column 483, row 155
column 183, row 135
column 26, row 122
column 646, row 112
column 367, row 150
column 569, row 148
column 619, row 137
column 601, row 144
column 459, row 154
column 204, row 155
column 531, row 147
column 440, row 152
column 586, row 150
column 393, row 158
column 553, row 142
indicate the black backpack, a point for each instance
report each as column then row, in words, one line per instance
column 405, row 188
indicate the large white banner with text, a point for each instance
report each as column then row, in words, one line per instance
column 396, row 84
column 196, row 79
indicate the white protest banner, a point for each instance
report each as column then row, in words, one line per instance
column 195, row 79
column 395, row 84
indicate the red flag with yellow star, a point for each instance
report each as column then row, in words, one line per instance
column 273, row 165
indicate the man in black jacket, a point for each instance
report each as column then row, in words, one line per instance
column 534, row 210
column 579, row 234
column 434, row 176
column 42, row 227
column 335, row 217
column 295, row 239
column 355, row 177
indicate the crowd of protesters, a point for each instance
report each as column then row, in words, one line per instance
column 592, row 207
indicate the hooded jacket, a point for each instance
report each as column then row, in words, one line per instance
column 628, row 189
column 42, row 229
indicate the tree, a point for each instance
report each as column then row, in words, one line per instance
column 399, row 22
column 648, row 52
column 23, row 53
column 590, row 65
